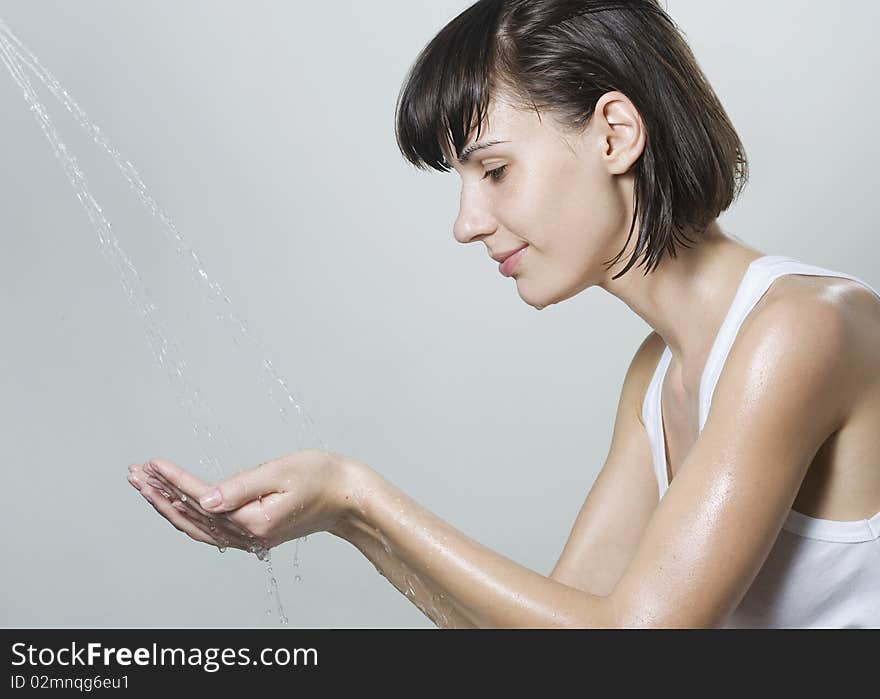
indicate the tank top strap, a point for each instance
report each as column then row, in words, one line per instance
column 653, row 423
column 760, row 275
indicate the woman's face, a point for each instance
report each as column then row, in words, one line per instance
column 551, row 191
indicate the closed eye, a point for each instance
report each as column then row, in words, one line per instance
column 497, row 174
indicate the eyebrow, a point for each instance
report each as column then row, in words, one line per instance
column 470, row 150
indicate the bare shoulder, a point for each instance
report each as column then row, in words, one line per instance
column 783, row 391
column 836, row 319
column 858, row 305
column 841, row 291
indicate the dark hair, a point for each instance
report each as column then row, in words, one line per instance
column 561, row 56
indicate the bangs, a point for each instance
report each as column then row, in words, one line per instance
column 447, row 91
column 561, row 57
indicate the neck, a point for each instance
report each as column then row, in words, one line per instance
column 685, row 298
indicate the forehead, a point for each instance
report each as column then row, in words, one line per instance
column 505, row 120
column 502, row 112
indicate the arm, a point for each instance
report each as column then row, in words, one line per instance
column 601, row 545
column 453, row 579
column 784, row 389
column 624, row 495
column 777, row 400
column 432, row 562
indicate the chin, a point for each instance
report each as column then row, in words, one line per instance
column 540, row 298
column 536, row 298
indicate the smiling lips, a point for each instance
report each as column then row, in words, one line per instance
column 509, row 261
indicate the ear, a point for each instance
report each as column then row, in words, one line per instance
column 620, row 132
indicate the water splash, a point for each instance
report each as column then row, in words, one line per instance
column 242, row 332
column 273, row 589
column 16, row 57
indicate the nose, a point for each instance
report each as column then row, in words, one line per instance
column 475, row 218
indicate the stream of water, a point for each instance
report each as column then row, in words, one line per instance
column 214, row 446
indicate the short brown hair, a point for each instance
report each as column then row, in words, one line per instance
column 561, row 56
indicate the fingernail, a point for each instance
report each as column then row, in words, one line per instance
column 134, row 480
column 210, row 500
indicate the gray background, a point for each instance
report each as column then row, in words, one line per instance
column 265, row 129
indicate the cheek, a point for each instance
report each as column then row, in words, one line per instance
column 541, row 207
column 576, row 220
column 563, row 209
column 589, row 213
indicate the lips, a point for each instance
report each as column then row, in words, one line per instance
column 511, row 262
column 503, row 256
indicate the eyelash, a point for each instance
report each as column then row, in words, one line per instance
column 497, row 174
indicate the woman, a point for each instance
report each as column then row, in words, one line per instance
column 752, row 408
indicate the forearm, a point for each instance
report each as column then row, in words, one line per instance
column 450, row 576
column 421, row 590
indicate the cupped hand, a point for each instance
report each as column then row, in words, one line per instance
column 256, row 509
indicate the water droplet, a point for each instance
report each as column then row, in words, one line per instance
column 298, row 578
column 265, row 514
column 164, row 349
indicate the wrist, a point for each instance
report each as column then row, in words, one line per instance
column 355, row 483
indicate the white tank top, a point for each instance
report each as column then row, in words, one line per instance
column 820, row 573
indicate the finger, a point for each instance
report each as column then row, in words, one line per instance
column 166, row 488
column 135, row 479
column 227, row 533
column 220, row 526
column 176, row 476
column 152, row 487
column 137, row 476
column 242, row 488
column 167, row 491
column 223, row 537
column 223, row 526
column 163, row 506
column 262, row 513
column 156, row 480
